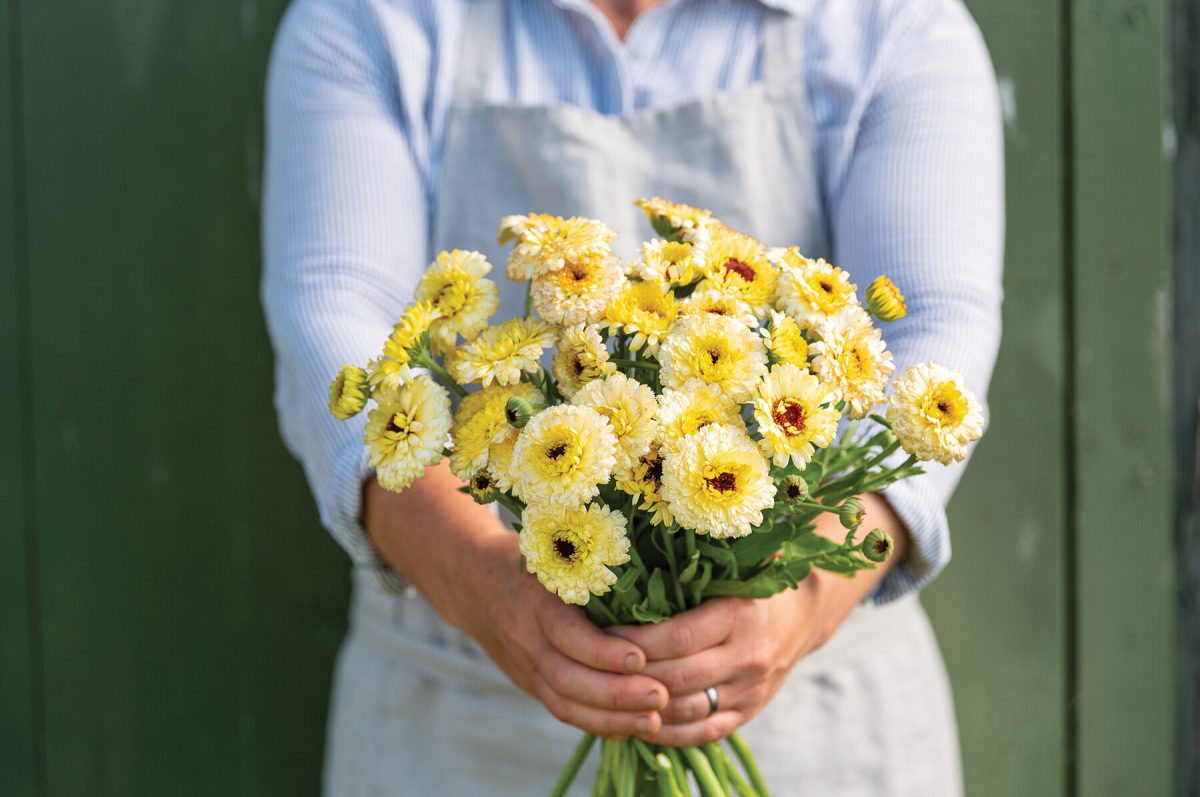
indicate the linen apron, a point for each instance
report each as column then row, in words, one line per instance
column 419, row 708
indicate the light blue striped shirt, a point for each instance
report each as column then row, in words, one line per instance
column 909, row 144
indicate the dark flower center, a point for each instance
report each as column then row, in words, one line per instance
column 557, row 451
column 743, row 270
column 723, row 483
column 790, row 416
column 565, row 549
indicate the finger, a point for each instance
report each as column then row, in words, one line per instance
column 697, row 672
column 575, row 636
column 582, row 684
column 707, row 625
column 595, row 720
column 695, row 706
column 709, row 729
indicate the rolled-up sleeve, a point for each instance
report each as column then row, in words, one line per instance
column 921, row 199
column 344, row 236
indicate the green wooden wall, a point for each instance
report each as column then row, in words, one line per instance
column 170, row 607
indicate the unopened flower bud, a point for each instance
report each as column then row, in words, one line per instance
column 793, row 490
column 851, row 513
column 878, row 546
column 482, row 488
column 517, row 412
column 349, row 392
column 884, row 300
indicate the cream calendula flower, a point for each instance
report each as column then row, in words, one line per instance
column 480, row 426
column 455, row 285
column 546, row 243
column 581, row 358
column 674, row 219
column 785, row 340
column 811, row 289
column 349, row 392
column 736, row 265
column 392, row 367
column 502, row 353
column 717, row 482
column 716, row 350
column 933, row 415
column 644, row 481
column 644, row 310
column 630, row 407
column 407, row 430
column 570, row 549
column 852, row 361
column 563, row 455
column 578, row 292
column 692, row 407
column 712, row 302
column 670, row 262
column 791, row 419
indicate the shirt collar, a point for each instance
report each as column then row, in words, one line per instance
column 790, row 6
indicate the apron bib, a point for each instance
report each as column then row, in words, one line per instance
column 419, row 709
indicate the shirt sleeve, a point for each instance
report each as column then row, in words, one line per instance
column 344, row 236
column 921, row 200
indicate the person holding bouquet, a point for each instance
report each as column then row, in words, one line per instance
column 865, row 131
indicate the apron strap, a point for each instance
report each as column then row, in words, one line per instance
column 783, row 64
column 481, row 35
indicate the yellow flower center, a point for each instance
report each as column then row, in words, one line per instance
column 401, row 425
column 561, row 453
column 945, row 405
column 723, row 481
column 451, row 298
column 790, row 416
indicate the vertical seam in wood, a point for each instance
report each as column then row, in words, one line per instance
column 25, row 398
column 1070, row 442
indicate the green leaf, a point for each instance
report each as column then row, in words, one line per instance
column 809, row 546
column 689, row 571
column 656, row 595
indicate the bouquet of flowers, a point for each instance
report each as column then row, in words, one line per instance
column 704, row 404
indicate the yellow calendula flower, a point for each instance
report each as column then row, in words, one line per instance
column 785, row 340
column 481, row 426
column 852, row 361
column 716, row 350
column 630, row 407
column 736, row 265
column 391, row 368
column 675, row 219
column 547, row 243
column 791, row 419
column 712, row 302
column 644, row 481
column 502, row 353
column 349, row 392
column 563, row 455
column 717, row 482
column 578, row 292
column 692, row 407
column 581, row 358
column 644, row 310
column 670, row 262
column 811, row 289
column 407, row 430
column 884, row 300
column 570, row 549
column 456, row 287
column 933, row 415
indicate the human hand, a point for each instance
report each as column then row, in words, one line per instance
column 746, row 648
column 474, row 579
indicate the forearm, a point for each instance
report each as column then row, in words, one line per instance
column 438, row 538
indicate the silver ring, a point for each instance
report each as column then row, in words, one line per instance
column 711, row 694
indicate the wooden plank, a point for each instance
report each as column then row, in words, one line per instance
column 18, row 728
column 191, row 604
column 999, row 608
column 1125, row 626
column 1185, row 26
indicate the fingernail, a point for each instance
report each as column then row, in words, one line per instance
column 653, row 700
column 642, row 725
column 633, row 662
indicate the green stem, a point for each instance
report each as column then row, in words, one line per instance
column 510, row 503
column 529, row 298
column 601, row 608
column 441, row 373
column 572, row 769
column 717, row 760
column 672, row 565
column 709, row 785
column 742, row 751
column 740, row 785
column 645, row 364
column 677, row 770
column 627, row 770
